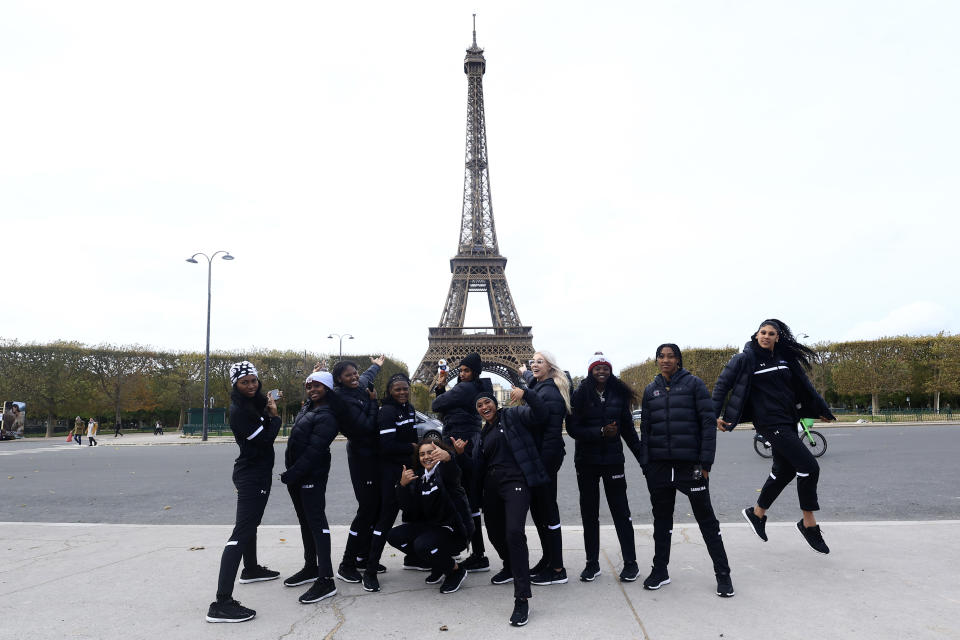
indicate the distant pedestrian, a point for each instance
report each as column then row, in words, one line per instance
column 602, row 423
column 767, row 385
column 78, row 427
column 307, row 460
column 678, row 438
column 255, row 423
column 158, row 429
column 118, row 429
column 92, row 427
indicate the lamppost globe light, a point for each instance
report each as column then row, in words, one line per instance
column 228, row 257
column 191, row 260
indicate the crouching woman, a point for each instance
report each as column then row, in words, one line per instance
column 437, row 522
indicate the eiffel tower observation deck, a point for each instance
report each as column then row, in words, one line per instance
column 478, row 266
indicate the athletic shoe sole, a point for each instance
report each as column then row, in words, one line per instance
column 209, row 619
column 519, row 624
column 349, row 580
column 479, row 570
column 803, row 535
column 727, row 595
column 249, row 580
column 323, row 597
column 629, row 579
column 406, row 568
column 297, row 584
column 657, row 586
column 549, row 582
column 589, row 578
column 503, row 581
column 752, row 528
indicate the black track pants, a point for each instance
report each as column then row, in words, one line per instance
column 429, row 543
column 664, row 479
column 546, row 515
column 310, row 503
column 389, row 508
column 364, row 474
column 253, row 490
column 505, row 507
column 615, row 488
column 791, row 458
column 472, row 485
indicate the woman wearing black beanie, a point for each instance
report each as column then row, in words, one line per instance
column 458, row 412
column 601, row 419
column 255, row 423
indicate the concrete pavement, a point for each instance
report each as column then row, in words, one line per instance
column 882, row 580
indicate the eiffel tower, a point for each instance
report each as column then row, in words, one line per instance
column 478, row 265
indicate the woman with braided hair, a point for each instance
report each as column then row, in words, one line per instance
column 255, row 423
column 768, row 385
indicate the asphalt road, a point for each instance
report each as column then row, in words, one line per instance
column 877, row 473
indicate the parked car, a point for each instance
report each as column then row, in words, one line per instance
column 428, row 427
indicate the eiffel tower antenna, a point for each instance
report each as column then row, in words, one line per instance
column 478, row 266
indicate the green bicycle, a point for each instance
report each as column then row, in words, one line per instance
column 813, row 439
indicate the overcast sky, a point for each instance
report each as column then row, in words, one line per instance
column 660, row 171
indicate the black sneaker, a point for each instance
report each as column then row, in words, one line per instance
column 549, row 576
column 370, row 582
column 229, row 611
column 504, row 576
column 305, row 575
column 412, row 563
column 454, row 580
column 348, row 573
column 630, row 572
column 590, row 572
column 381, row 568
column 321, row 589
column 542, row 564
column 759, row 524
column 521, row 612
column 258, row 574
column 435, row 577
column 656, row 579
column 813, row 537
column 725, row 586
column 476, row 563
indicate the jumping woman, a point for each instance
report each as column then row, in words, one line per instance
column 768, row 385
column 255, row 423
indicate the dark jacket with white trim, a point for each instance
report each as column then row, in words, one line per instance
column 397, row 431
column 438, row 499
column 517, row 424
column 678, row 423
column 735, row 381
column 358, row 419
column 308, row 448
column 254, row 430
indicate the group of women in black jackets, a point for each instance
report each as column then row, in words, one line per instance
column 503, row 462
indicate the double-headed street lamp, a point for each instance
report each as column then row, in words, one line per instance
column 206, row 361
column 341, row 336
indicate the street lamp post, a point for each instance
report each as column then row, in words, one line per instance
column 341, row 336
column 206, row 360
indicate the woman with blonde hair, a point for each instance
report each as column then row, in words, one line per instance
column 552, row 385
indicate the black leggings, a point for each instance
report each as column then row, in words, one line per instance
column 505, row 506
column 310, row 502
column 615, row 487
column 429, row 543
column 472, row 484
column 546, row 515
column 389, row 508
column 364, row 474
column 253, row 489
column 791, row 458
column 664, row 479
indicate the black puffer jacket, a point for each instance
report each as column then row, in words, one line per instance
column 589, row 417
column 549, row 435
column 517, row 424
column 438, row 499
column 308, row 448
column 457, row 407
column 254, row 430
column 735, row 380
column 358, row 415
column 398, row 431
column 678, row 423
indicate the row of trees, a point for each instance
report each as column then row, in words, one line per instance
column 64, row 379
column 859, row 372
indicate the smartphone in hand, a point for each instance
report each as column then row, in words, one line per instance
column 274, row 394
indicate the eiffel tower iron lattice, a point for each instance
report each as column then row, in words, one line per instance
column 478, row 265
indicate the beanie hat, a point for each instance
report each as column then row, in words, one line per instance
column 597, row 358
column 240, row 369
column 394, row 378
column 323, row 377
column 473, row 362
column 486, row 394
